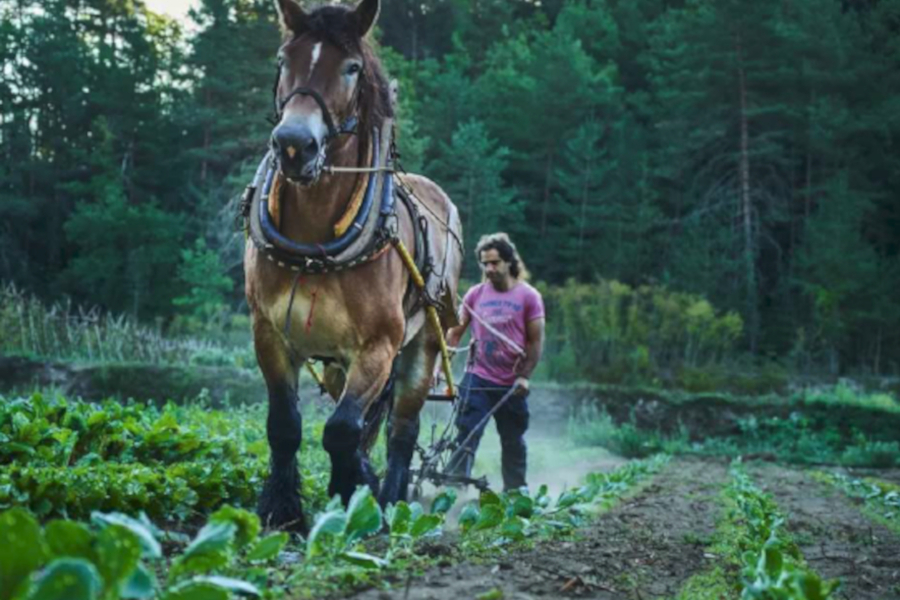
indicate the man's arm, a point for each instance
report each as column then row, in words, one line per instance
column 454, row 334
column 534, row 347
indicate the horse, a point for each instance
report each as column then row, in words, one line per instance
column 324, row 215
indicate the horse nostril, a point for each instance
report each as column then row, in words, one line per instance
column 296, row 145
column 311, row 148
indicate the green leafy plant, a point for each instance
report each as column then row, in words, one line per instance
column 772, row 566
column 499, row 519
column 119, row 556
column 62, row 457
column 881, row 499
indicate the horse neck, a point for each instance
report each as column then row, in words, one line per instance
column 310, row 213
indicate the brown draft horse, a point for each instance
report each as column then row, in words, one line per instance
column 357, row 319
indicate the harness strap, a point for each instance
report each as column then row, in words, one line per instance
column 344, row 223
column 348, row 126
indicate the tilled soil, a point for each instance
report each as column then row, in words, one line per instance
column 837, row 540
column 644, row 548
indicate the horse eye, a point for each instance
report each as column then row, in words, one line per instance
column 353, row 69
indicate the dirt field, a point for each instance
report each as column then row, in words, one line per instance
column 649, row 544
column 837, row 540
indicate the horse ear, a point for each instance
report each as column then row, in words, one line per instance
column 290, row 15
column 366, row 15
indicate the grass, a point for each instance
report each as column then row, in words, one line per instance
column 590, row 426
column 64, row 331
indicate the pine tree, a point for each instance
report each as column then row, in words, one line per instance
column 582, row 203
column 206, row 284
column 470, row 169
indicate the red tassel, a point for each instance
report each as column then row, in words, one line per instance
column 312, row 307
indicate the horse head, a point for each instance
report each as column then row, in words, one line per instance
column 330, row 85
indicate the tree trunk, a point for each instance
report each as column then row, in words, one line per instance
column 584, row 199
column 471, row 203
column 808, row 198
column 548, row 178
column 877, row 366
column 204, row 165
column 746, row 206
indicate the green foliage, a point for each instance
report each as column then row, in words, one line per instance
column 500, row 519
column 591, row 426
column 470, row 169
column 757, row 558
column 612, row 331
column 845, row 394
column 803, row 436
column 730, row 152
column 207, row 286
column 62, row 457
column 110, row 561
column 773, row 568
column 336, row 531
column 21, row 549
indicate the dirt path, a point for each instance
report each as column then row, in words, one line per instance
column 644, row 548
column 834, row 536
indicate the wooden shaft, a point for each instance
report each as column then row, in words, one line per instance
column 430, row 312
column 315, row 374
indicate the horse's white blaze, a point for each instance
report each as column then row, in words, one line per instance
column 316, row 51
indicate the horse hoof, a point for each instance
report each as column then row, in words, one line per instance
column 284, row 518
column 280, row 507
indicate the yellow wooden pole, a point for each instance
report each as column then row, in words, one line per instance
column 430, row 312
column 315, row 374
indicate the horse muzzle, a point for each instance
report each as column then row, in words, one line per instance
column 301, row 154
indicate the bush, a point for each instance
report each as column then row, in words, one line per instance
column 867, row 453
column 614, row 333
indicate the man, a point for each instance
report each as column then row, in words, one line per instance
column 507, row 319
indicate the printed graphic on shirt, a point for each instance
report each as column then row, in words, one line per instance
column 499, row 328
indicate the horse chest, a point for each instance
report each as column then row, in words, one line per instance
column 316, row 322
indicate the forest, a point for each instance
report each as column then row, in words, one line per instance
column 705, row 192
column 743, row 155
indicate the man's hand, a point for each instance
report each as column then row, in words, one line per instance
column 521, row 386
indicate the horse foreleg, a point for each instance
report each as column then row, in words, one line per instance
column 279, row 503
column 413, row 381
column 342, row 438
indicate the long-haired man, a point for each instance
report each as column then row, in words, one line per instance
column 507, row 319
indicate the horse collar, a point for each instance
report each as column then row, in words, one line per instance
column 350, row 247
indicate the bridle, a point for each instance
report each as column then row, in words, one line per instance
column 347, row 127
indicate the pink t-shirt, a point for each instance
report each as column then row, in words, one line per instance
column 507, row 313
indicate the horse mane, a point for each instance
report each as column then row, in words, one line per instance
column 338, row 25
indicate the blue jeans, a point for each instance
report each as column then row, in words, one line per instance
column 479, row 396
